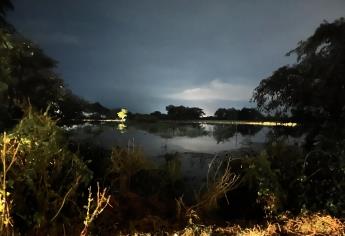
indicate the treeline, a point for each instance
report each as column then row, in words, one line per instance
column 238, row 114
column 195, row 113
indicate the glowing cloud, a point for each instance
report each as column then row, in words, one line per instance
column 215, row 90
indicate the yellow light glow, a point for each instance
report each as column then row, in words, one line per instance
column 266, row 123
column 122, row 114
column 121, row 127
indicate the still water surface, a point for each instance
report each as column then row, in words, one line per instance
column 159, row 138
column 196, row 144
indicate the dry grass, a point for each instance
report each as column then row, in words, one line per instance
column 9, row 149
column 196, row 231
column 93, row 210
column 315, row 224
column 271, row 229
column 311, row 225
column 219, row 183
column 126, row 163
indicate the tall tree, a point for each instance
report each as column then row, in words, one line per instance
column 184, row 113
column 26, row 73
column 226, row 114
column 314, row 87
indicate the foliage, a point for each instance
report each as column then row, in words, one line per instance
column 124, row 164
column 220, row 181
column 324, row 170
column 158, row 115
column 122, row 114
column 102, row 201
column 9, row 152
column 287, row 178
column 226, row 114
column 184, row 113
column 248, row 114
column 28, row 74
column 259, row 175
column 45, row 176
column 172, row 167
column 300, row 89
column 304, row 224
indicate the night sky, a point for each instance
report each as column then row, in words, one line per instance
column 146, row 54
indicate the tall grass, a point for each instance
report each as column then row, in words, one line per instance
column 220, row 181
column 9, row 151
column 124, row 164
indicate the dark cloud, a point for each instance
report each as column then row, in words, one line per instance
column 144, row 53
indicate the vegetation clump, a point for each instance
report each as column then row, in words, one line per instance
column 43, row 175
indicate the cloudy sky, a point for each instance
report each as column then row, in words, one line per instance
column 146, row 54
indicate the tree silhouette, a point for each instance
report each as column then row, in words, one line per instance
column 226, row 114
column 314, row 87
column 184, row 113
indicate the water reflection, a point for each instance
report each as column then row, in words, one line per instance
column 248, row 129
column 164, row 137
column 170, row 130
column 121, row 127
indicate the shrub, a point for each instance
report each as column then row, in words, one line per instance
column 45, row 176
column 260, row 176
column 124, row 164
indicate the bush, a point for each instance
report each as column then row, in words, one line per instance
column 45, row 177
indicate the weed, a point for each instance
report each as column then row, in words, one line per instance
column 125, row 164
column 45, row 177
column 315, row 224
column 9, row 151
column 219, row 183
column 93, row 210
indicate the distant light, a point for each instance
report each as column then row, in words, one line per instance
column 260, row 123
column 122, row 114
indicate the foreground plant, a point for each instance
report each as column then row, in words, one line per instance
column 220, row 181
column 9, row 152
column 45, row 178
column 305, row 224
column 94, row 210
column 315, row 224
column 124, row 164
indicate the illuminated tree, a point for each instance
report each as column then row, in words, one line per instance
column 122, row 114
